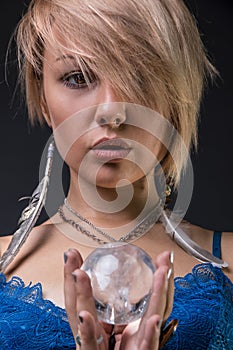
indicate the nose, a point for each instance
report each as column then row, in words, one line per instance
column 112, row 114
column 110, row 111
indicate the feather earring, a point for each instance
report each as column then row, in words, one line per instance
column 177, row 234
column 30, row 214
column 187, row 244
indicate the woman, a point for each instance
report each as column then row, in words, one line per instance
column 119, row 83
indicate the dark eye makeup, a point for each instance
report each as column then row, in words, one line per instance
column 78, row 80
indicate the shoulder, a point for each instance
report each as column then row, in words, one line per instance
column 41, row 235
column 226, row 247
column 204, row 237
column 41, row 239
column 36, row 236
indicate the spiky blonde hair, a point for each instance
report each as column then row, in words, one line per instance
column 150, row 51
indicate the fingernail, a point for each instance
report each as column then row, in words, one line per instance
column 112, row 342
column 65, row 258
column 171, row 257
column 80, row 318
column 74, row 277
column 169, row 273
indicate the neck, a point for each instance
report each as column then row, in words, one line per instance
column 113, row 205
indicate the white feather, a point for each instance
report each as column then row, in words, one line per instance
column 187, row 244
column 29, row 215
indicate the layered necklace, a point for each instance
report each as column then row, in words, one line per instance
column 175, row 232
column 139, row 230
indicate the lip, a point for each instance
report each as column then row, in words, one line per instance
column 107, row 150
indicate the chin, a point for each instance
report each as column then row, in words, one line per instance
column 111, row 175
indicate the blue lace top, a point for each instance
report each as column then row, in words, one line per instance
column 27, row 321
column 203, row 304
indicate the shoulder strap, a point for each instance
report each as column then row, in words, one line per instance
column 216, row 247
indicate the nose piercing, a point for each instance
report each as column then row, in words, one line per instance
column 117, row 121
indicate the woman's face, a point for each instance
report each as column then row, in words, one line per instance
column 101, row 138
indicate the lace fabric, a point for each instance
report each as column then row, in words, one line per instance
column 203, row 304
column 28, row 321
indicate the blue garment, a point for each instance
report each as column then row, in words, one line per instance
column 216, row 246
column 27, row 321
column 203, row 305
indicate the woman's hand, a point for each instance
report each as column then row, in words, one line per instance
column 80, row 307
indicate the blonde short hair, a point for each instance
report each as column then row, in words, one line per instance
column 150, row 51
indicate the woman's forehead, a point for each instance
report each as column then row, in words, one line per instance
column 58, row 50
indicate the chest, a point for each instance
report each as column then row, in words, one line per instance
column 43, row 259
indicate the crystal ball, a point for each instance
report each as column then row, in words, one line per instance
column 121, row 276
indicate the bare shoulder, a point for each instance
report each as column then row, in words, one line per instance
column 37, row 235
column 41, row 233
column 204, row 238
column 40, row 236
column 227, row 245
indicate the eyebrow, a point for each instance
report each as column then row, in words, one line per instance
column 64, row 57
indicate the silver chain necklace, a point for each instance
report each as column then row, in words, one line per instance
column 139, row 230
column 157, row 213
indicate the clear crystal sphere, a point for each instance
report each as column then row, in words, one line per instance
column 121, row 277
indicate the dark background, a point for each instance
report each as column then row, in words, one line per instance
column 22, row 145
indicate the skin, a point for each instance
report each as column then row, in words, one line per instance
column 47, row 243
column 73, row 99
column 131, row 336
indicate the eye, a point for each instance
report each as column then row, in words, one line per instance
column 77, row 80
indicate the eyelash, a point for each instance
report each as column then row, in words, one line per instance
column 78, row 76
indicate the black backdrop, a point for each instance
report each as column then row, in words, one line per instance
column 21, row 145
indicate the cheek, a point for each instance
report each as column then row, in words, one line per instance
column 62, row 103
column 60, row 107
column 74, row 154
column 150, row 148
column 67, row 122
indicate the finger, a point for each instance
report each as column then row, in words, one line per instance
column 158, row 299
column 91, row 336
column 170, row 293
column 84, row 296
column 167, row 259
column 160, row 285
column 152, row 334
column 72, row 260
column 163, row 259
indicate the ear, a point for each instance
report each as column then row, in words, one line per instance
column 44, row 108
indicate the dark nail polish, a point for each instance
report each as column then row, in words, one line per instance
column 112, row 342
column 65, row 258
column 75, row 278
column 80, row 318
